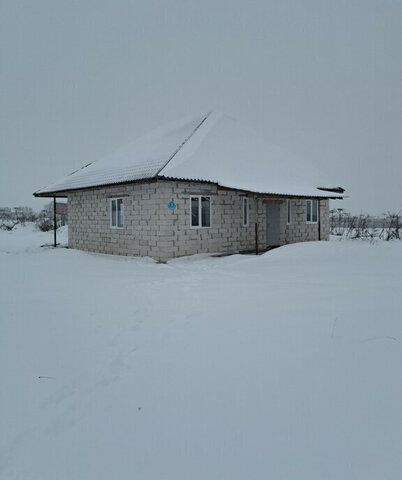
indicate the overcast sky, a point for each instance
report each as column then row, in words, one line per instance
column 322, row 79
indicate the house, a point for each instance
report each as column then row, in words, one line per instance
column 203, row 185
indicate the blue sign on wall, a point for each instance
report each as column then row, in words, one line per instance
column 171, row 205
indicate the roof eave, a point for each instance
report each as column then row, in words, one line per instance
column 64, row 193
column 47, row 195
column 281, row 195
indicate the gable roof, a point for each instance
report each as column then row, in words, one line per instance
column 212, row 147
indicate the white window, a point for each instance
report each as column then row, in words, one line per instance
column 311, row 211
column 289, row 211
column 245, row 211
column 200, row 211
column 116, row 213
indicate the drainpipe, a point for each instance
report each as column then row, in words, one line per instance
column 256, row 225
column 319, row 219
column 54, row 222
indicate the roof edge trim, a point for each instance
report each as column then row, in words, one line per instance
column 62, row 193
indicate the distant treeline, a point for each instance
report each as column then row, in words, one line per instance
column 344, row 224
column 11, row 217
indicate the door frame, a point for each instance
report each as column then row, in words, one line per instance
column 271, row 204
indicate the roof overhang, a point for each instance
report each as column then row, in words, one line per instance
column 64, row 193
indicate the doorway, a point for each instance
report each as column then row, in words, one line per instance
column 273, row 224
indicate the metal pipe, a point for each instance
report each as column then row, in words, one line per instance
column 256, row 226
column 54, row 222
column 319, row 219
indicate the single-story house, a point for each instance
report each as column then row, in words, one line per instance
column 202, row 185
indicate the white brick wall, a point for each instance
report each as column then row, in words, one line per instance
column 301, row 231
column 151, row 229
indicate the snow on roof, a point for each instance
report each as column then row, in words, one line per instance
column 211, row 147
column 141, row 159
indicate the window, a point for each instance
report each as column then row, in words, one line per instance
column 116, row 213
column 200, row 211
column 245, row 212
column 312, row 211
column 289, row 211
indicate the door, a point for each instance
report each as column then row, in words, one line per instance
column 273, row 224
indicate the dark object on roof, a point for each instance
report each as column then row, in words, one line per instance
column 333, row 189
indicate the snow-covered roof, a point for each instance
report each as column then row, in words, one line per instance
column 212, row 147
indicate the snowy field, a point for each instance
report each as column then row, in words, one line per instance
column 283, row 366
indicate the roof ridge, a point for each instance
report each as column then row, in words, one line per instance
column 182, row 144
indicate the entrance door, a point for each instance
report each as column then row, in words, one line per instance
column 273, row 227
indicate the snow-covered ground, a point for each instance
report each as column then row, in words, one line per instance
column 28, row 238
column 283, row 366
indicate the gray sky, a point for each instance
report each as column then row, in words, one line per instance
column 322, row 79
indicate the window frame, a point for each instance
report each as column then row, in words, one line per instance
column 245, row 218
column 111, row 200
column 289, row 211
column 200, row 197
column 309, row 210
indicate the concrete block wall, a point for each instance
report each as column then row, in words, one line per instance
column 89, row 219
column 226, row 233
column 324, row 218
column 299, row 230
column 152, row 229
